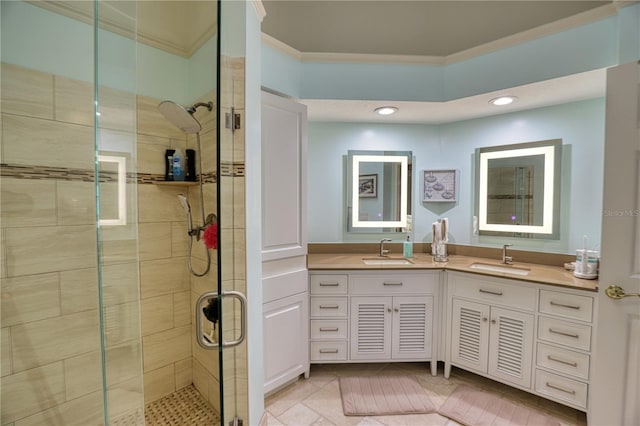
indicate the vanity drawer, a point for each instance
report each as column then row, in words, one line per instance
column 518, row 296
column 565, row 333
column 329, row 329
column 396, row 283
column 566, row 305
column 561, row 388
column 329, row 283
column 563, row 360
column 329, row 351
column 329, row 306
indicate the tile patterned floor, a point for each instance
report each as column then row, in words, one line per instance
column 316, row 401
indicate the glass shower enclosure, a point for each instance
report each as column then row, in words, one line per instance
column 99, row 323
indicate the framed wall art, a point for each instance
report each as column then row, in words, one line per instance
column 439, row 186
column 368, row 186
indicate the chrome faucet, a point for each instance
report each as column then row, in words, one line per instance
column 506, row 259
column 383, row 251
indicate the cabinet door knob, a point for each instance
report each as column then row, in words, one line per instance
column 388, row 309
column 485, row 319
column 396, row 310
column 493, row 321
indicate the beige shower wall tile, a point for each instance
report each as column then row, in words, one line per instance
column 120, row 283
column 79, row 290
column 207, row 149
column 39, row 142
column 232, row 207
column 75, row 203
column 74, row 101
column 83, row 374
column 122, row 323
column 179, row 239
column 119, row 244
column 151, row 122
column 118, row 109
column 160, row 204
column 26, row 92
column 159, row 383
column 203, row 381
column 158, row 277
column 32, row 391
column 166, row 347
column 87, row 410
column 124, row 363
column 42, row 342
column 48, row 249
column 181, row 309
column 154, row 240
column 183, row 373
column 125, row 397
column 29, row 298
column 27, row 202
column 151, row 150
column 5, row 351
column 157, row 314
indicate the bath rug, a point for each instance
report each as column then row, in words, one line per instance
column 383, row 395
column 474, row 407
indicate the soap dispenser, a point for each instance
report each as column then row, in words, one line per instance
column 407, row 248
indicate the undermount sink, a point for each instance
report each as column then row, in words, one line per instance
column 505, row 269
column 387, row 261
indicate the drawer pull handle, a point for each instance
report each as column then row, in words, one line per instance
column 497, row 293
column 328, row 351
column 329, row 284
column 552, row 303
column 560, row 388
column 397, row 283
column 329, row 329
column 561, row 361
column 329, row 306
column 564, row 333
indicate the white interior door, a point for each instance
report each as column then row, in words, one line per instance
column 616, row 373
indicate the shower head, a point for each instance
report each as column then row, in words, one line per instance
column 180, row 116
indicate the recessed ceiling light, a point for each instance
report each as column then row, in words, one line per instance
column 502, row 100
column 386, row 110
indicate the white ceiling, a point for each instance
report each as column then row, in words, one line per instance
column 408, row 27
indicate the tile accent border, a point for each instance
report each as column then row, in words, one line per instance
column 18, row 171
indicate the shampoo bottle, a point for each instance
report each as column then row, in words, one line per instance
column 407, row 248
column 178, row 165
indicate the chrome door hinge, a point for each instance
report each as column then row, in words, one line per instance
column 232, row 120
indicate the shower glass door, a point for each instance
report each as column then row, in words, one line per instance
column 98, row 319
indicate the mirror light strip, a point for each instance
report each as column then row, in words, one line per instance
column 547, row 214
column 122, row 189
column 355, row 190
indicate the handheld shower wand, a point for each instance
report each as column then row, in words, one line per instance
column 187, row 208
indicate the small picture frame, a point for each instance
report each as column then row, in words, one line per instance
column 439, row 186
column 368, row 186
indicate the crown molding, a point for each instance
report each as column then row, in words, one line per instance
column 583, row 18
column 261, row 12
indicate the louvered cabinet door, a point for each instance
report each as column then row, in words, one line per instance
column 412, row 329
column 371, row 327
column 511, row 346
column 470, row 335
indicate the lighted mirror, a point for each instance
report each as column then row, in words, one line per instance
column 379, row 190
column 518, row 189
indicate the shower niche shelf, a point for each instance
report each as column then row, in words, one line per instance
column 175, row 183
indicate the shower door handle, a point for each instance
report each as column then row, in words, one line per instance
column 203, row 300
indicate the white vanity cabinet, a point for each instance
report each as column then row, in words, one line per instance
column 533, row 336
column 492, row 327
column 390, row 316
column 563, row 347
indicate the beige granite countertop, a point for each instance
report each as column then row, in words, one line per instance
column 543, row 274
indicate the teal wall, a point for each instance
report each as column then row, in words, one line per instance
column 580, row 125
